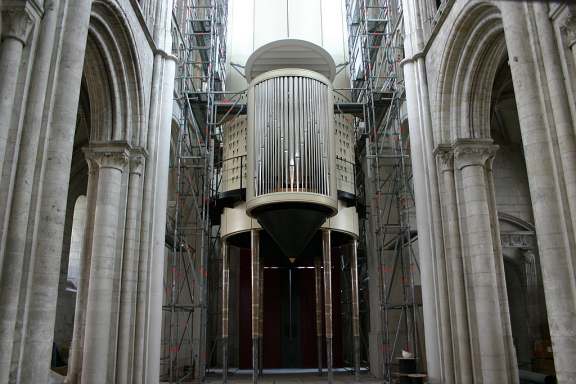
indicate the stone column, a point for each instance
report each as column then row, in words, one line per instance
column 14, row 259
column 425, row 192
column 147, row 355
column 112, row 160
column 15, row 30
column 46, row 250
column 532, row 293
column 556, row 243
column 77, row 347
column 456, row 278
column 557, row 97
column 16, row 26
column 126, row 328
column 482, row 264
column 225, row 308
column 318, row 296
column 327, row 258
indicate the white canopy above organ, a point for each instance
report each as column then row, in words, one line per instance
column 290, row 53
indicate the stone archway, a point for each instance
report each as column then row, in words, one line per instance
column 484, row 35
column 475, row 306
column 103, row 347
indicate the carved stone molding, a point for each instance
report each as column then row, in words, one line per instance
column 474, row 152
column 569, row 28
column 137, row 160
column 523, row 240
column 445, row 156
column 17, row 23
column 108, row 155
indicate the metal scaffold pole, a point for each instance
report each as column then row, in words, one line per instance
column 375, row 44
column 199, row 36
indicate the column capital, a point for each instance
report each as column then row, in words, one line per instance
column 138, row 158
column 569, row 27
column 473, row 152
column 17, row 23
column 108, row 155
column 445, row 155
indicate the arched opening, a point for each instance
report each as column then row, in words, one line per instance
column 109, row 112
column 76, row 244
column 73, row 228
column 477, row 109
column 524, row 287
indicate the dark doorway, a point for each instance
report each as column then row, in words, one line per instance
column 289, row 315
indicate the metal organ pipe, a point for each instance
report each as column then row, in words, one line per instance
column 292, row 117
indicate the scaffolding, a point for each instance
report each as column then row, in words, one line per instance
column 375, row 44
column 199, row 41
column 382, row 179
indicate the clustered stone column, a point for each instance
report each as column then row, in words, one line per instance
column 103, row 264
column 130, row 262
column 483, row 266
column 76, row 349
column 454, row 267
column 112, row 161
column 44, row 269
column 478, row 329
column 42, row 51
column 16, row 26
column 548, row 142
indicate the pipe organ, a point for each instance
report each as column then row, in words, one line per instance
column 291, row 137
column 287, row 174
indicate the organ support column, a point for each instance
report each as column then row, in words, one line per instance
column 261, row 321
column 355, row 308
column 327, row 256
column 318, row 294
column 255, row 264
column 225, row 308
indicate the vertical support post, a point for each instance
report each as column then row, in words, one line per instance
column 96, row 361
column 355, row 309
column 318, row 291
column 255, row 258
column 261, row 321
column 225, row 304
column 327, row 256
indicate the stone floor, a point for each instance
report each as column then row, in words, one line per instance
column 287, row 378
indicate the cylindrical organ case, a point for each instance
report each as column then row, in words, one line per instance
column 290, row 148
